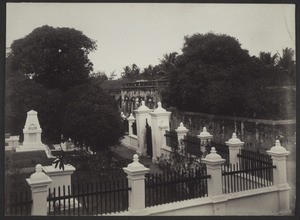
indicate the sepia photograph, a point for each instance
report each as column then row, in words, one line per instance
column 150, row 109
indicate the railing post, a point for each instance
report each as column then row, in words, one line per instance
column 181, row 132
column 136, row 180
column 235, row 145
column 39, row 183
column 159, row 123
column 279, row 155
column 204, row 136
column 130, row 120
column 142, row 113
column 214, row 163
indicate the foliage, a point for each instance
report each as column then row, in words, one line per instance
column 54, row 57
column 91, row 117
column 215, row 75
column 178, row 161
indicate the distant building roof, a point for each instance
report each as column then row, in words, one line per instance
column 113, row 85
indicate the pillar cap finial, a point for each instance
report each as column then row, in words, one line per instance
column 39, row 175
column 159, row 108
column 204, row 135
column 143, row 106
column 234, row 140
column 278, row 149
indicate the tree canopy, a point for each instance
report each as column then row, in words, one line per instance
column 215, row 75
column 54, row 57
column 91, row 117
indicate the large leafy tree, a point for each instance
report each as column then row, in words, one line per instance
column 215, row 75
column 91, row 117
column 54, row 57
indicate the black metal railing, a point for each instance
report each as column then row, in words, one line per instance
column 252, row 160
column 89, row 199
column 222, row 150
column 18, row 203
column 134, row 128
column 235, row 179
column 175, row 186
column 192, row 145
column 171, row 139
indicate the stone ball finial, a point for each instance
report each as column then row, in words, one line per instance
column 181, row 124
column 135, row 158
column 204, row 135
column 159, row 104
column 234, row 135
column 38, row 168
column 143, row 102
column 204, row 129
column 278, row 150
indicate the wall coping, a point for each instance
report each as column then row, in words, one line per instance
column 261, row 121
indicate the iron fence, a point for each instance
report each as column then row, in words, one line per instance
column 235, row 178
column 18, row 203
column 175, row 186
column 89, row 199
column 171, row 139
column 192, row 145
column 134, row 128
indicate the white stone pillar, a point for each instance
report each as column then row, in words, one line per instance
column 181, row 132
column 159, row 124
column 214, row 163
column 130, row 120
column 142, row 113
column 279, row 155
column 136, row 180
column 235, row 145
column 39, row 183
column 204, row 136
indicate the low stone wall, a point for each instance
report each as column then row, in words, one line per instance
column 264, row 201
column 258, row 134
column 130, row 141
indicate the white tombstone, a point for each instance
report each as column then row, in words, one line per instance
column 32, row 133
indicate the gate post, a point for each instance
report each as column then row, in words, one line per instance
column 142, row 113
column 204, row 137
column 136, row 180
column 279, row 155
column 39, row 183
column 235, row 145
column 159, row 123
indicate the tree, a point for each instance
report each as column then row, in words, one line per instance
column 215, row 75
column 168, row 61
column 131, row 72
column 100, row 76
column 54, row 57
column 91, row 117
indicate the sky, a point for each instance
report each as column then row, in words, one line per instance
column 128, row 33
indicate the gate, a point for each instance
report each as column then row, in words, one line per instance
column 149, row 139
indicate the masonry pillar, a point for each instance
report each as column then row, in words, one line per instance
column 204, row 136
column 235, row 145
column 142, row 113
column 136, row 180
column 130, row 120
column 181, row 132
column 214, row 163
column 159, row 124
column 39, row 183
column 279, row 155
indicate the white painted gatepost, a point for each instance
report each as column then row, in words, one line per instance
column 159, row 124
column 142, row 113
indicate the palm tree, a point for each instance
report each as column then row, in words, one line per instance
column 168, row 61
column 267, row 59
column 286, row 60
